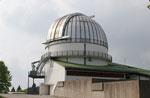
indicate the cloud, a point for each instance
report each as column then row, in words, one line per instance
column 28, row 16
column 129, row 36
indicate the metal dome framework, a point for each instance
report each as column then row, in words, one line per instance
column 79, row 27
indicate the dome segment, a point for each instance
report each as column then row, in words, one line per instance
column 79, row 28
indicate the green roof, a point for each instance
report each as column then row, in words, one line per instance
column 112, row 67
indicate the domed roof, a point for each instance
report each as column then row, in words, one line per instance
column 78, row 28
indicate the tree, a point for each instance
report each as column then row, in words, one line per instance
column 19, row 89
column 13, row 89
column 148, row 5
column 5, row 78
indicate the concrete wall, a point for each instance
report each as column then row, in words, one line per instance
column 44, row 89
column 77, row 89
column 122, row 89
column 86, row 89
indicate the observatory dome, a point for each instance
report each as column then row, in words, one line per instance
column 77, row 35
column 79, row 28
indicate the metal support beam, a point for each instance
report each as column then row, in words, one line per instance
column 33, row 80
column 28, row 84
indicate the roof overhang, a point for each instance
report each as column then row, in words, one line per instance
column 110, row 68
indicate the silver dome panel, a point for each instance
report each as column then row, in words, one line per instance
column 80, row 28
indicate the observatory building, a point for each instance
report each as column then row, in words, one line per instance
column 77, row 49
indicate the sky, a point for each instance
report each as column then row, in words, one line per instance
column 24, row 26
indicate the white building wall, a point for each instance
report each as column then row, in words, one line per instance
column 54, row 73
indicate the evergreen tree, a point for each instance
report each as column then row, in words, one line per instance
column 13, row 89
column 5, row 78
column 19, row 89
column 148, row 6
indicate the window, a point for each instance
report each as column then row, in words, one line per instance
column 97, row 86
column 60, row 84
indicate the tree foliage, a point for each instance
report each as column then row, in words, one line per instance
column 19, row 89
column 148, row 6
column 5, row 78
column 13, row 89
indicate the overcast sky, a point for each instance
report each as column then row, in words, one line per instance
column 24, row 25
